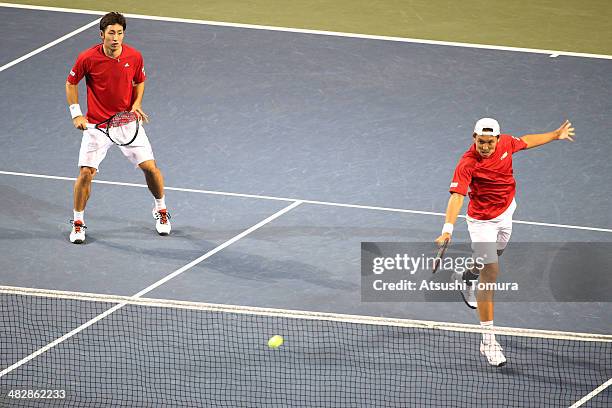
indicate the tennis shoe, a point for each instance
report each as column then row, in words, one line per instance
column 467, row 290
column 77, row 235
column 493, row 352
column 162, row 224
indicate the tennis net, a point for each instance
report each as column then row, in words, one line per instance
column 118, row 351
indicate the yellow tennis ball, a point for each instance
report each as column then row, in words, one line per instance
column 275, row 341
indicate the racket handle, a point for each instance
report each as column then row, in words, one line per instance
column 91, row 126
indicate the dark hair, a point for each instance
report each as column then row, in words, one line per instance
column 112, row 18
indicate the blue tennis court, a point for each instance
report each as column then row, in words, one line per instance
column 283, row 151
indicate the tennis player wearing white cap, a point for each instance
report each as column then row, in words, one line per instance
column 486, row 170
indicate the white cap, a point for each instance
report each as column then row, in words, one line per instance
column 487, row 123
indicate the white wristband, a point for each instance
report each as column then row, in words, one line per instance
column 448, row 228
column 75, row 110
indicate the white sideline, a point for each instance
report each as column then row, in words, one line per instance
column 314, row 202
column 552, row 53
column 148, row 289
column 49, row 45
column 593, row 393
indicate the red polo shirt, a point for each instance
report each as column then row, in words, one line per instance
column 490, row 180
column 109, row 81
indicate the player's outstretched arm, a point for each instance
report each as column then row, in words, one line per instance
column 72, row 97
column 455, row 202
column 565, row 132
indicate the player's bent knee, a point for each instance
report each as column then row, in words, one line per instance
column 148, row 166
column 87, row 173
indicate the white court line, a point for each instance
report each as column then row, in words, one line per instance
column 318, row 32
column 314, row 202
column 593, row 393
column 51, row 44
column 149, row 288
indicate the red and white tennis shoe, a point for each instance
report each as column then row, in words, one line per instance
column 162, row 224
column 77, row 235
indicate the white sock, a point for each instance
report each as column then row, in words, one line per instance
column 160, row 204
column 79, row 215
column 488, row 337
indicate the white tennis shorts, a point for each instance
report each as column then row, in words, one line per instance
column 489, row 236
column 95, row 145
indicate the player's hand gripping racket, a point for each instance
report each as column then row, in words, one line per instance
column 121, row 128
column 440, row 255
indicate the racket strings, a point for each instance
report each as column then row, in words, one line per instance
column 123, row 128
column 122, row 119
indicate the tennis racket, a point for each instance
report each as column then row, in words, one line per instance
column 121, row 128
column 440, row 255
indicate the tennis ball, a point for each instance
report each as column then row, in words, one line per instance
column 275, row 341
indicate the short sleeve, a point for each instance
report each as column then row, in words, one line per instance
column 140, row 75
column 462, row 177
column 78, row 70
column 517, row 144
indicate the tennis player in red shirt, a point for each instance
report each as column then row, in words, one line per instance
column 115, row 78
column 486, row 171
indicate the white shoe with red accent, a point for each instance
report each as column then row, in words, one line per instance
column 77, row 235
column 162, row 225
